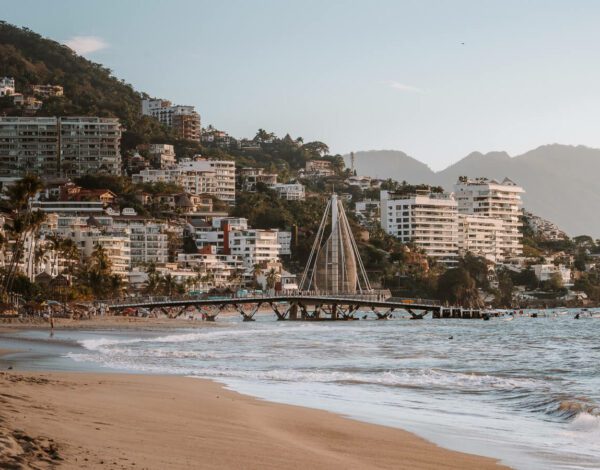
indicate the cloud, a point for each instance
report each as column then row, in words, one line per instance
column 86, row 44
column 402, row 87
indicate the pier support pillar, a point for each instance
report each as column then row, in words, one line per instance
column 294, row 311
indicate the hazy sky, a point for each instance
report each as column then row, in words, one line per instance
column 357, row 75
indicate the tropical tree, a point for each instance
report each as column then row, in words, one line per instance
column 25, row 223
column 271, row 278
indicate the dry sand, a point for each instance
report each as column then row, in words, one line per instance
column 117, row 421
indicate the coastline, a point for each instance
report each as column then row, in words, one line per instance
column 117, row 420
column 111, row 420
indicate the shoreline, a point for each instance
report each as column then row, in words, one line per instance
column 69, row 405
column 113, row 420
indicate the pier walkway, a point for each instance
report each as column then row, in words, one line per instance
column 297, row 306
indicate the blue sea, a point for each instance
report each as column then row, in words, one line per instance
column 525, row 391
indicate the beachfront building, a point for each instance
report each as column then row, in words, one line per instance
column 498, row 200
column 198, row 176
column 426, row 219
column 480, row 236
column 214, row 270
column 184, row 120
column 116, row 244
column 290, row 191
column 65, row 146
column 148, row 240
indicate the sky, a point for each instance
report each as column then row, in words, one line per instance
column 435, row 79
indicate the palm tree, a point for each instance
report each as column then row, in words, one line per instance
column 70, row 253
column 271, row 278
column 168, row 284
column 25, row 222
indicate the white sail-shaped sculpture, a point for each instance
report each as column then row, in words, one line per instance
column 334, row 266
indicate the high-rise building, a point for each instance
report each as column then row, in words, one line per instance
column 183, row 119
column 480, row 236
column 489, row 198
column 89, row 145
column 186, row 123
column 426, row 219
column 66, row 146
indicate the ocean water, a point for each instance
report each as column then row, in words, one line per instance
column 526, row 391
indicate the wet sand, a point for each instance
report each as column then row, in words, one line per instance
column 118, row 421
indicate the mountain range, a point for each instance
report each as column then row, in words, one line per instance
column 561, row 182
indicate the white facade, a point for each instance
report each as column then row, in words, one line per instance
column 116, row 244
column 214, row 270
column 545, row 272
column 489, row 198
column 148, row 240
column 231, row 236
column 7, row 86
column 254, row 246
column 183, row 119
column 428, row 220
column 215, row 177
column 480, row 236
column 290, row 192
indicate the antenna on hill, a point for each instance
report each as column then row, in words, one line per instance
column 352, row 162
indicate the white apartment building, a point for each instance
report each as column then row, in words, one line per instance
column 254, row 246
column 489, row 198
column 7, row 86
column 215, row 177
column 290, row 191
column 429, row 220
column 232, row 236
column 115, row 243
column 480, row 236
column 183, row 119
column 213, row 270
column 149, row 242
column 224, row 175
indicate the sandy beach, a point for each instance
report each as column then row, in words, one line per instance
column 73, row 421
column 109, row 322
